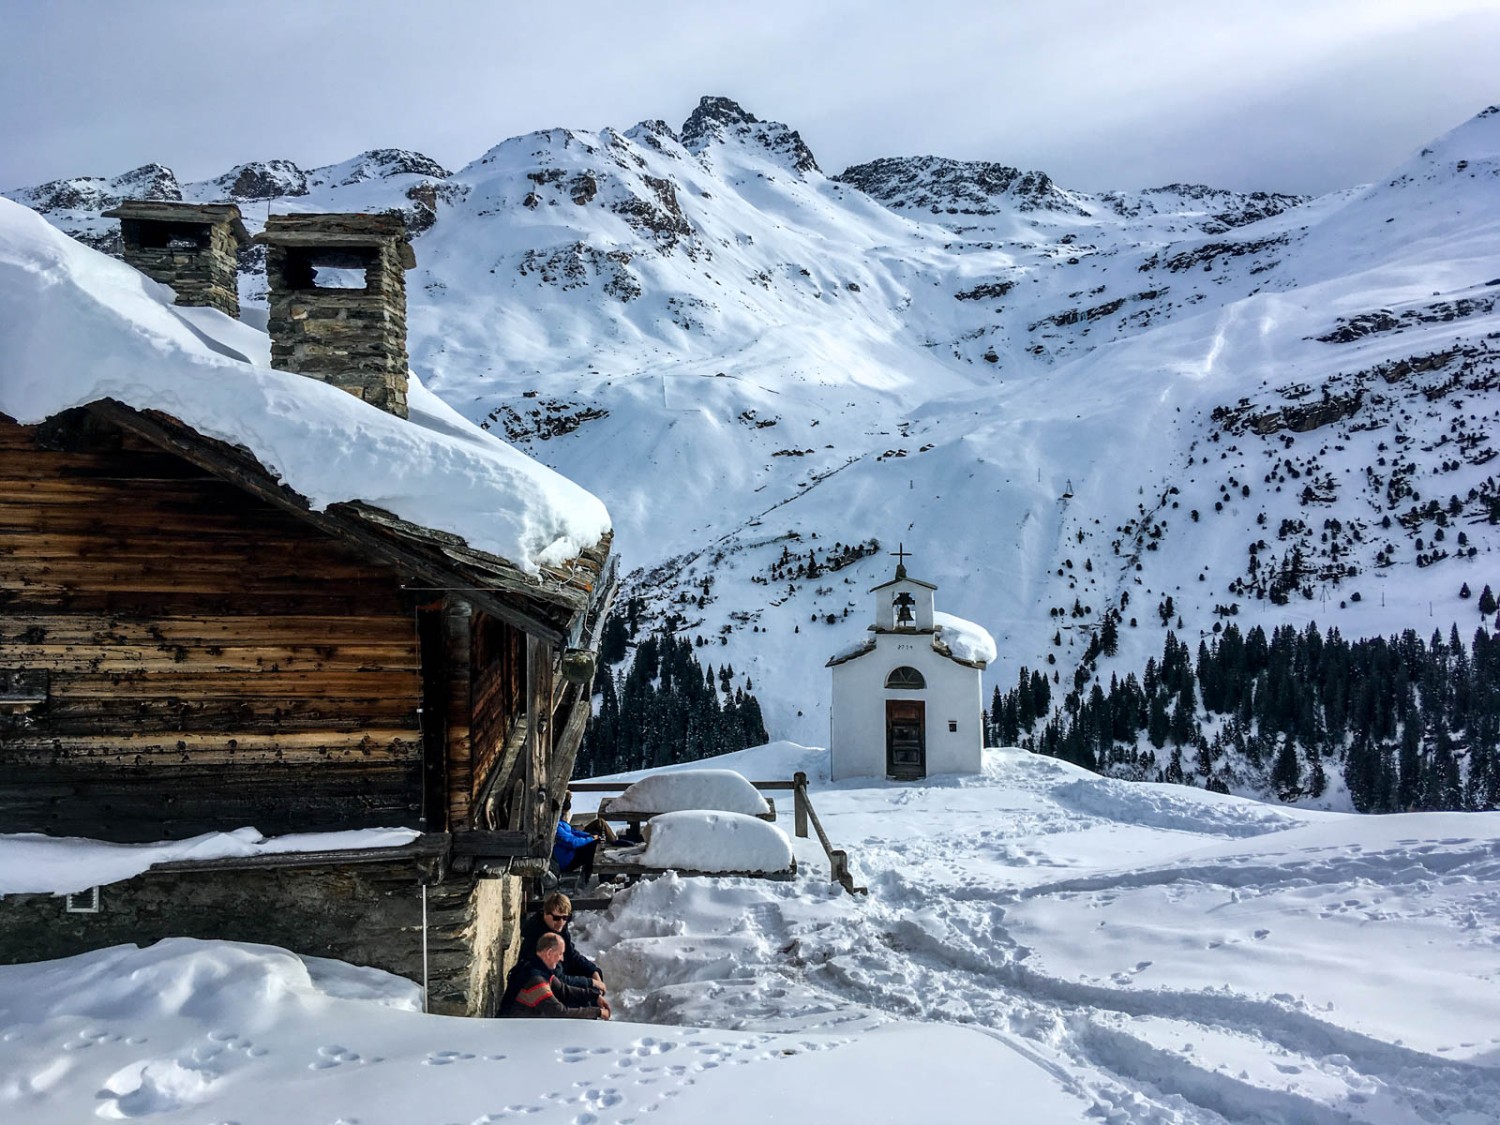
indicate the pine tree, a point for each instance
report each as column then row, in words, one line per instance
column 1286, row 774
column 1109, row 635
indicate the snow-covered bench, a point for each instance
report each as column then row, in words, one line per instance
column 715, row 790
column 705, row 842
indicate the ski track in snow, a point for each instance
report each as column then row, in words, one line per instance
column 925, row 948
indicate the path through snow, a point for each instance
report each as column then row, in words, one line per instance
column 1169, row 955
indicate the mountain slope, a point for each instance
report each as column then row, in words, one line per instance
column 1063, row 403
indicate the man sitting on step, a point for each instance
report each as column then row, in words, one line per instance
column 553, row 918
column 534, row 989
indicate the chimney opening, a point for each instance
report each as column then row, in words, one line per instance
column 168, row 236
column 307, row 268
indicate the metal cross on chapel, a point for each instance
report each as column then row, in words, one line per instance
column 901, row 554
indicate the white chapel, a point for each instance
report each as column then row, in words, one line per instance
column 907, row 699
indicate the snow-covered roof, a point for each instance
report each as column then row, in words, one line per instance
column 964, row 640
column 718, row 789
column 854, row 648
column 697, row 840
column 77, row 327
column 31, row 863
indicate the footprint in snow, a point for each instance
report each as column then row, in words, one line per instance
column 331, row 1056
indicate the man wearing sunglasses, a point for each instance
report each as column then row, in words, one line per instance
column 553, row 918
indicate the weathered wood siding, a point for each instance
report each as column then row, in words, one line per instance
column 211, row 661
column 499, row 684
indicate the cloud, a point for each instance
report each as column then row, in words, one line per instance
column 1275, row 94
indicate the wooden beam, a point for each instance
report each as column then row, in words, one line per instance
column 537, row 812
column 458, row 616
column 483, row 844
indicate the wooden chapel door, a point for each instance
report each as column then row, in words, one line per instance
column 905, row 739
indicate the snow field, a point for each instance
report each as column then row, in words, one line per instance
column 1036, row 942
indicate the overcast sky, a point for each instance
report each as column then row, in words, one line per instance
column 1284, row 95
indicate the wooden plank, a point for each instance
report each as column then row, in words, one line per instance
column 146, row 750
column 101, row 628
column 457, row 627
column 235, row 687
column 98, row 717
column 432, row 845
column 211, row 658
column 605, row 867
column 538, row 820
column 486, row 844
column 352, row 599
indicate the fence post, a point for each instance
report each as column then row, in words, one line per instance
column 799, row 804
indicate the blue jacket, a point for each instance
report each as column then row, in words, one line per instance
column 569, row 840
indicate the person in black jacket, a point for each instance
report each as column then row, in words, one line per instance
column 534, row 990
column 553, row 918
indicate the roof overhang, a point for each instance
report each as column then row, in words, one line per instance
column 552, row 604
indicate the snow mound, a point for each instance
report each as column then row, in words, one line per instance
column 1173, row 807
column 31, row 863
column 207, row 980
column 718, row 789
column 715, row 841
column 965, row 640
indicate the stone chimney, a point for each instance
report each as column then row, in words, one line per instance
column 338, row 301
column 193, row 247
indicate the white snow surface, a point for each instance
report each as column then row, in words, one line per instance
column 724, row 790
column 77, row 327
column 31, row 863
column 1037, row 943
column 699, row 840
column 965, row 639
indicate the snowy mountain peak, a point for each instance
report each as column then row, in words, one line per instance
column 1477, row 140
column 722, row 119
column 262, row 179
column 654, row 133
column 379, row 164
column 95, row 193
column 712, row 115
column 967, row 187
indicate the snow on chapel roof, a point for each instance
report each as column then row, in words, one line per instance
column 964, row 640
column 77, row 327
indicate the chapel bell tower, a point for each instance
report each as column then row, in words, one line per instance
column 904, row 604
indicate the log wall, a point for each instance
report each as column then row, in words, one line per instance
column 499, row 684
column 210, row 661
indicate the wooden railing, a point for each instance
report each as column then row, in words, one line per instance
column 802, row 813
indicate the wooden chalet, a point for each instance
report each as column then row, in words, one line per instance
column 186, row 646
